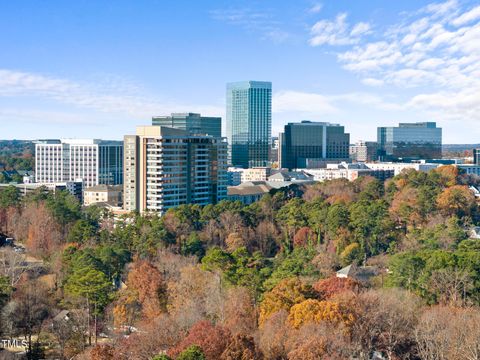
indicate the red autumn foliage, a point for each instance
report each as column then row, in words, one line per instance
column 212, row 339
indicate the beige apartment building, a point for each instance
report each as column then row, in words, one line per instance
column 256, row 174
column 107, row 194
column 166, row 167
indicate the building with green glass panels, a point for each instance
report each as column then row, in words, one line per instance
column 409, row 141
column 249, row 123
column 309, row 142
column 194, row 123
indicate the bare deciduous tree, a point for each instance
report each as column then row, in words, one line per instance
column 13, row 265
column 196, row 296
column 384, row 321
column 445, row 333
column 451, row 286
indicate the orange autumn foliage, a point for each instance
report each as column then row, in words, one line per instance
column 456, row 200
column 145, row 279
column 303, row 237
column 448, row 174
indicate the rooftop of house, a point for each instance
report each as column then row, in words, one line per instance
column 359, row 273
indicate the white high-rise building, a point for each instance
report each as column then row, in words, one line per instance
column 93, row 161
column 166, row 167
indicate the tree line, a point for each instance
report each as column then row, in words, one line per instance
column 234, row 281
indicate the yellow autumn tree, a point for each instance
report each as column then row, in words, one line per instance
column 126, row 309
column 283, row 296
column 315, row 311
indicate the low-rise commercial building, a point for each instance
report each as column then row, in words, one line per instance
column 399, row 167
column 109, row 194
column 350, row 172
column 248, row 192
column 73, row 187
column 252, row 191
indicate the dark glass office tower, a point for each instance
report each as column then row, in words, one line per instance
column 309, row 141
column 194, row 123
column 249, row 123
column 110, row 163
column 410, row 141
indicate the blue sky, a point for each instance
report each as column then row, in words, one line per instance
column 99, row 68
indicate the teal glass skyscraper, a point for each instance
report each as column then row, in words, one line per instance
column 249, row 123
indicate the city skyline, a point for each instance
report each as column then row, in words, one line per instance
column 88, row 70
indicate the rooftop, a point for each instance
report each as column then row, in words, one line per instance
column 77, row 142
column 312, row 123
column 249, row 84
column 104, row 187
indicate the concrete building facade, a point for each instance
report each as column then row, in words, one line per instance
column 363, row 151
column 167, row 167
column 108, row 194
column 93, row 161
column 256, row 174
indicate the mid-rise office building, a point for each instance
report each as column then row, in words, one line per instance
column 307, row 141
column 363, row 151
column 167, row 167
column 249, row 123
column 408, row 141
column 93, row 161
column 191, row 122
column 476, row 156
